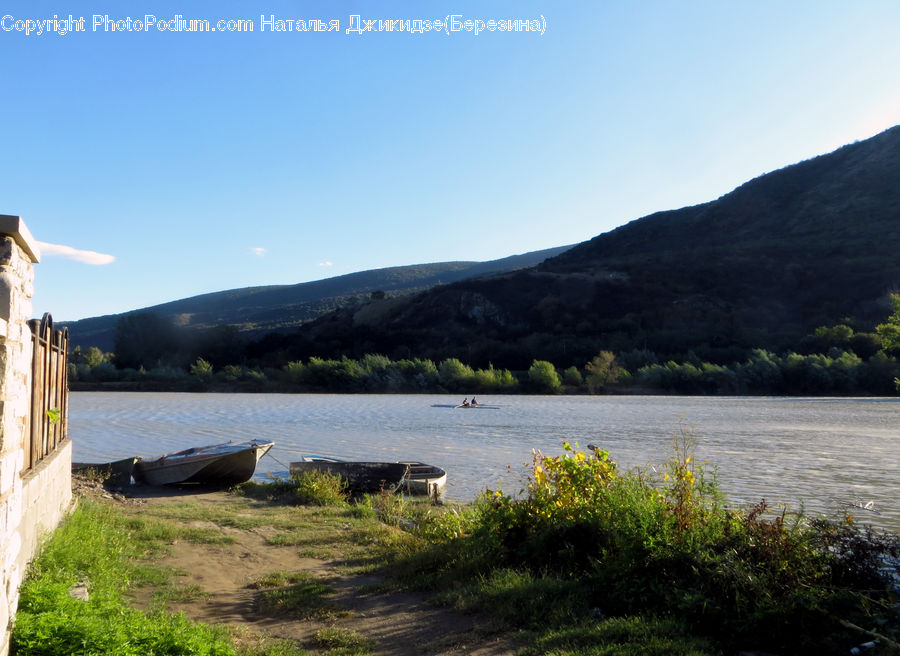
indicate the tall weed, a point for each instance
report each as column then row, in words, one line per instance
column 666, row 544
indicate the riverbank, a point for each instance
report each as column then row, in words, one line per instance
column 822, row 454
column 276, row 579
column 590, row 561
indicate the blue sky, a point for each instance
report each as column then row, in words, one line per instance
column 199, row 162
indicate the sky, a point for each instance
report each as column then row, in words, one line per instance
column 156, row 164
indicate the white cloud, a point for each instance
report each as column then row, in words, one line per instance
column 259, row 251
column 326, row 263
column 88, row 257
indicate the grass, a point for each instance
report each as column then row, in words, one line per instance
column 619, row 636
column 300, row 595
column 587, row 541
column 343, row 642
column 116, row 553
column 588, row 561
column 96, row 546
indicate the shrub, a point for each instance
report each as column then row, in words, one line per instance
column 202, row 369
column 455, row 375
column 314, row 488
column 296, row 372
column 572, row 377
column 543, row 378
column 602, row 370
column 666, row 545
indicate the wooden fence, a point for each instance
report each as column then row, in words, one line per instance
column 48, row 420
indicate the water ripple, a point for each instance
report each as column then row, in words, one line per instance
column 819, row 453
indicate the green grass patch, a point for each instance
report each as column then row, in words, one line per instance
column 253, row 643
column 343, row 642
column 313, row 488
column 95, row 546
column 231, row 513
column 520, row 598
column 620, row 636
column 298, row 594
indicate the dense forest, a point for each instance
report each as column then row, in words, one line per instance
column 831, row 360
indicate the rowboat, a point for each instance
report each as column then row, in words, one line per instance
column 481, row 406
column 218, row 464
column 409, row 476
column 361, row 477
column 425, row 479
column 111, row 474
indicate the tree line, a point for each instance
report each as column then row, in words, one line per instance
column 837, row 360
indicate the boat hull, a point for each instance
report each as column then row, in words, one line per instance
column 425, row 480
column 411, row 477
column 113, row 474
column 220, row 464
column 361, row 477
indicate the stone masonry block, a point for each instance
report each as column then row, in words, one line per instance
column 8, row 250
column 8, row 472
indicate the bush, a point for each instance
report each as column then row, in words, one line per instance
column 316, row 488
column 666, row 545
column 572, row 377
column 454, row 375
column 602, row 370
column 543, row 378
column 202, row 369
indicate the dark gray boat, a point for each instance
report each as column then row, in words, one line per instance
column 361, row 477
column 411, row 477
column 218, row 464
column 111, row 474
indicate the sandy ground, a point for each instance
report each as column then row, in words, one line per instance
column 401, row 624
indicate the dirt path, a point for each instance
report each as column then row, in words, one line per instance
column 401, row 624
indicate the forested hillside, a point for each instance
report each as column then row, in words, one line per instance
column 254, row 311
column 812, row 244
column 785, row 285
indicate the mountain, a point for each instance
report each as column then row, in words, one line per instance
column 258, row 310
column 812, row 244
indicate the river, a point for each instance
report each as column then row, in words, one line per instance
column 821, row 454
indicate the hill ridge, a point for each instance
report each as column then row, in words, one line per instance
column 812, row 243
column 259, row 309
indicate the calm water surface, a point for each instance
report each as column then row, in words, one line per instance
column 821, row 453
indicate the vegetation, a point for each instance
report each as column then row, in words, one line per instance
column 255, row 311
column 588, row 557
column 77, row 596
column 585, row 560
column 95, row 550
column 798, row 262
column 830, row 360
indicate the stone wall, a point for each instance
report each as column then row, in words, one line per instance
column 32, row 502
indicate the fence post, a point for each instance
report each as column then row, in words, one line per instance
column 48, row 419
